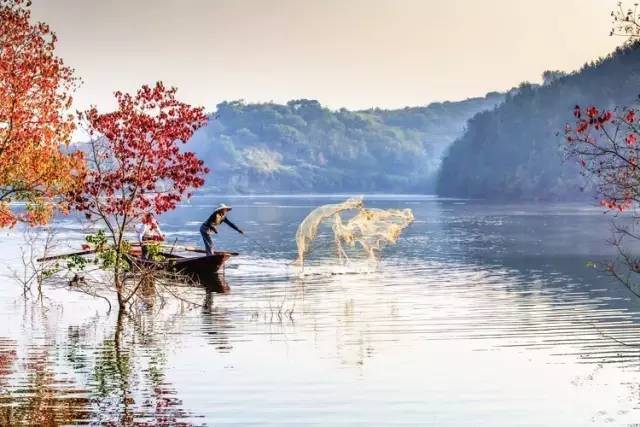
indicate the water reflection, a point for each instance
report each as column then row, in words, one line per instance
column 216, row 320
column 215, row 284
column 38, row 396
column 128, row 378
column 117, row 380
column 480, row 315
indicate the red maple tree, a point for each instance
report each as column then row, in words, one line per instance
column 36, row 166
column 605, row 144
column 136, row 167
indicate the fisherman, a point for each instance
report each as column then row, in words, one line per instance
column 210, row 225
column 148, row 234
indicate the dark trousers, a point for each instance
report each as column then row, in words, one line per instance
column 145, row 251
column 144, row 246
column 208, row 241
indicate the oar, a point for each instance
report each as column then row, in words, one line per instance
column 51, row 258
column 178, row 248
column 198, row 250
column 185, row 248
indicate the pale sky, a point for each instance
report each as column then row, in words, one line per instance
column 345, row 53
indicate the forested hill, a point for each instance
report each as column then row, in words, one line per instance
column 515, row 151
column 305, row 147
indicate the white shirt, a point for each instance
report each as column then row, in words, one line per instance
column 143, row 230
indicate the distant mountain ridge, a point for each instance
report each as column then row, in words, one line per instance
column 302, row 146
column 515, row 151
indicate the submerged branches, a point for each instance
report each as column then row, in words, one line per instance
column 140, row 284
column 38, row 242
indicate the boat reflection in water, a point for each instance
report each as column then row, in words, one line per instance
column 216, row 320
column 202, row 270
column 215, row 284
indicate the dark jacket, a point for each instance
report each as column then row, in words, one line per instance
column 216, row 219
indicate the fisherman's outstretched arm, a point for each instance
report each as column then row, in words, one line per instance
column 232, row 225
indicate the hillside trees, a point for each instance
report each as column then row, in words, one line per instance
column 307, row 147
column 515, row 153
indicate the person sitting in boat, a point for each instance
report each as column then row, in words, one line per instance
column 148, row 234
column 218, row 217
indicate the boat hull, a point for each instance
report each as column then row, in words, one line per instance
column 203, row 269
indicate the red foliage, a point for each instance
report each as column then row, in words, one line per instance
column 631, row 116
column 582, row 126
column 138, row 169
column 605, row 146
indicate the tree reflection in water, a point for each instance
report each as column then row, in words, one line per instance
column 129, row 386
column 38, row 396
column 118, row 379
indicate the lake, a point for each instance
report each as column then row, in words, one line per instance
column 482, row 314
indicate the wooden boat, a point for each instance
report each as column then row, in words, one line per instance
column 202, row 269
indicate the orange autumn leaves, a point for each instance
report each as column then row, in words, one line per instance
column 37, row 166
column 140, row 168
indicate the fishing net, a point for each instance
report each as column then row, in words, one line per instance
column 368, row 229
column 308, row 228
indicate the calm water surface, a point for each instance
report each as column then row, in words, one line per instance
column 481, row 315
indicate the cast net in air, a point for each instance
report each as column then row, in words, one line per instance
column 368, row 230
column 308, row 228
column 371, row 230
